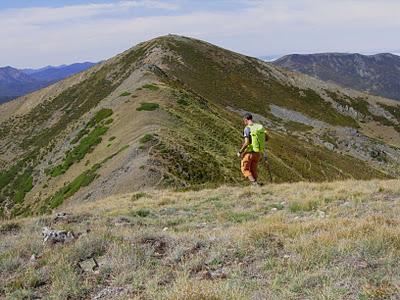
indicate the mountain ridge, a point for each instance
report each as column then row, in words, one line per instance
column 376, row 74
column 167, row 113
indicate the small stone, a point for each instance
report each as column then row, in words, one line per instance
column 274, row 209
column 56, row 236
column 201, row 225
column 89, row 265
column 218, row 274
column 165, row 229
column 61, row 216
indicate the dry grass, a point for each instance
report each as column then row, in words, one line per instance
column 337, row 240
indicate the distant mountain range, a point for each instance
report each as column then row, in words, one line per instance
column 18, row 82
column 270, row 58
column 377, row 74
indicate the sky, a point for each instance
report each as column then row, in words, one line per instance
column 37, row 33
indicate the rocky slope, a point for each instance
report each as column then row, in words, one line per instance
column 166, row 113
column 375, row 74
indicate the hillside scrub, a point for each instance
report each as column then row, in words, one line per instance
column 151, row 87
column 88, row 139
column 337, row 240
column 71, row 188
column 147, row 106
column 124, row 94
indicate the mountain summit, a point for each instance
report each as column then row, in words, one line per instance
column 377, row 74
column 167, row 113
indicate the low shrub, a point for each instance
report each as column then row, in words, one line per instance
column 151, row 87
column 148, row 106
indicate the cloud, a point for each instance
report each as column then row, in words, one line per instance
column 45, row 35
column 36, row 16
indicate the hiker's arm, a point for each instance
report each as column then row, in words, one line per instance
column 245, row 144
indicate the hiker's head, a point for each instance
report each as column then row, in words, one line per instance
column 247, row 119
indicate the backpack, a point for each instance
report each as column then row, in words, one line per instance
column 257, row 133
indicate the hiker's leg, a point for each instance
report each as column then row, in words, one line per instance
column 254, row 165
column 245, row 166
column 254, row 159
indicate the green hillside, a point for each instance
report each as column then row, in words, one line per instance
column 167, row 114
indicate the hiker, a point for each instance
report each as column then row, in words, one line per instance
column 253, row 147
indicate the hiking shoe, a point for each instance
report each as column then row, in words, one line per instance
column 255, row 184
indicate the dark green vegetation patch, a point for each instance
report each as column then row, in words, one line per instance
column 146, row 138
column 124, row 94
column 70, row 189
column 151, row 87
column 148, row 106
column 94, row 130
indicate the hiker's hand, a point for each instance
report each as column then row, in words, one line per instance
column 238, row 154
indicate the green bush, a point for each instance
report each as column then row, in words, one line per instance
column 142, row 212
column 148, row 106
column 102, row 114
column 108, row 121
column 124, row 94
column 146, row 138
column 151, row 87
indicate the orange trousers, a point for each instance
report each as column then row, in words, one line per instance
column 250, row 163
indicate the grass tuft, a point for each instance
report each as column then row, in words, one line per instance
column 124, row 94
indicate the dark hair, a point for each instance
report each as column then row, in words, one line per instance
column 248, row 116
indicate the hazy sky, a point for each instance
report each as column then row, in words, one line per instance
column 35, row 33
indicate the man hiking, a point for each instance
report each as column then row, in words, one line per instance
column 255, row 137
